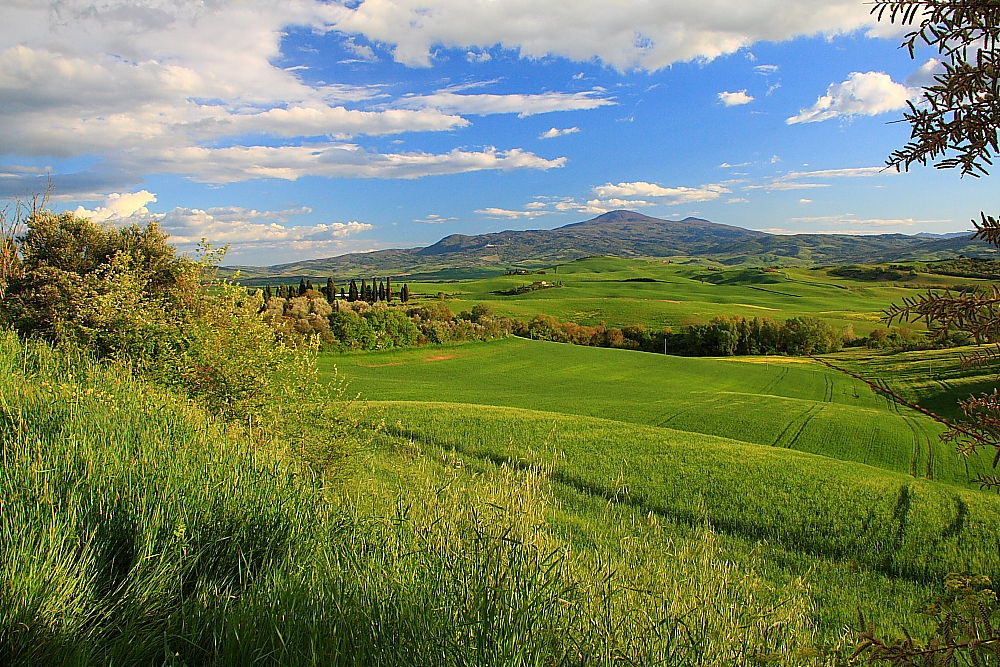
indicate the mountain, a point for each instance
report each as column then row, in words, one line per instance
column 953, row 235
column 624, row 234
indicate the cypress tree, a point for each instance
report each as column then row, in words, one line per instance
column 343, row 295
column 309, row 285
column 388, row 290
column 353, row 294
column 302, row 286
column 381, row 291
column 267, row 293
column 365, row 294
column 374, row 293
column 331, row 290
column 404, row 295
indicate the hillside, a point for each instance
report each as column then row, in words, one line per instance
column 624, row 234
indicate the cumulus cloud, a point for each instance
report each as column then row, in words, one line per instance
column 629, row 34
column 119, row 205
column 556, row 132
column 144, row 83
column 923, row 76
column 862, row 94
column 187, row 226
column 735, row 99
column 484, row 104
column 259, row 235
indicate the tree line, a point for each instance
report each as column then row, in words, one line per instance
column 377, row 291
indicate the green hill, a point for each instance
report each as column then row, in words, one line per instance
column 779, row 402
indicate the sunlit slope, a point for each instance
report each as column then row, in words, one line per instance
column 652, row 292
column 883, row 520
column 781, row 402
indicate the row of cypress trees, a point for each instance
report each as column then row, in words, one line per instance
column 377, row 291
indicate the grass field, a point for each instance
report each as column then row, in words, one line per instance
column 652, row 292
column 779, row 401
column 802, row 473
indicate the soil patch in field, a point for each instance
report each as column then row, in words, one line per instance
column 440, row 357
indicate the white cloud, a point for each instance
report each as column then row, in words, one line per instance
column 737, row 200
column 119, row 205
column 505, row 214
column 478, row 57
column 435, row 219
column 556, row 132
column 790, row 181
column 483, row 104
column 361, row 52
column 145, row 83
column 251, row 233
column 853, row 172
column 923, row 76
column 851, row 219
column 805, row 201
column 243, row 163
column 786, row 185
column 865, row 94
column 261, row 242
column 735, row 99
column 628, row 34
column 678, row 195
column 766, row 69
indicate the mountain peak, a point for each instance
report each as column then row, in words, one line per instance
column 623, row 217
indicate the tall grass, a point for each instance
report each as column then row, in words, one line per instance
column 135, row 529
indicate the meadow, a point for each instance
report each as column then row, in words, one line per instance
column 803, row 474
column 661, row 293
column 513, row 502
column 786, row 402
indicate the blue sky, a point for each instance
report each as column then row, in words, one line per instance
column 301, row 129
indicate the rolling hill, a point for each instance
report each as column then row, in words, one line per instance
column 625, row 234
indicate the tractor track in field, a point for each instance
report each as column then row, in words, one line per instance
column 774, row 383
column 806, row 415
column 815, row 411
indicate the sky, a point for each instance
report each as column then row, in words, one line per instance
column 298, row 129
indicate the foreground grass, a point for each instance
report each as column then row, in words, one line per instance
column 136, row 530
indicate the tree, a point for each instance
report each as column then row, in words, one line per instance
column 404, row 295
column 381, row 291
column 302, row 286
column 957, row 124
column 331, row 290
column 101, row 287
column 388, row 290
column 353, row 294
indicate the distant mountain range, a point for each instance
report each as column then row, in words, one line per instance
column 626, row 234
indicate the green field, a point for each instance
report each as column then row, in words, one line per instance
column 803, row 473
column 778, row 401
column 606, row 289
